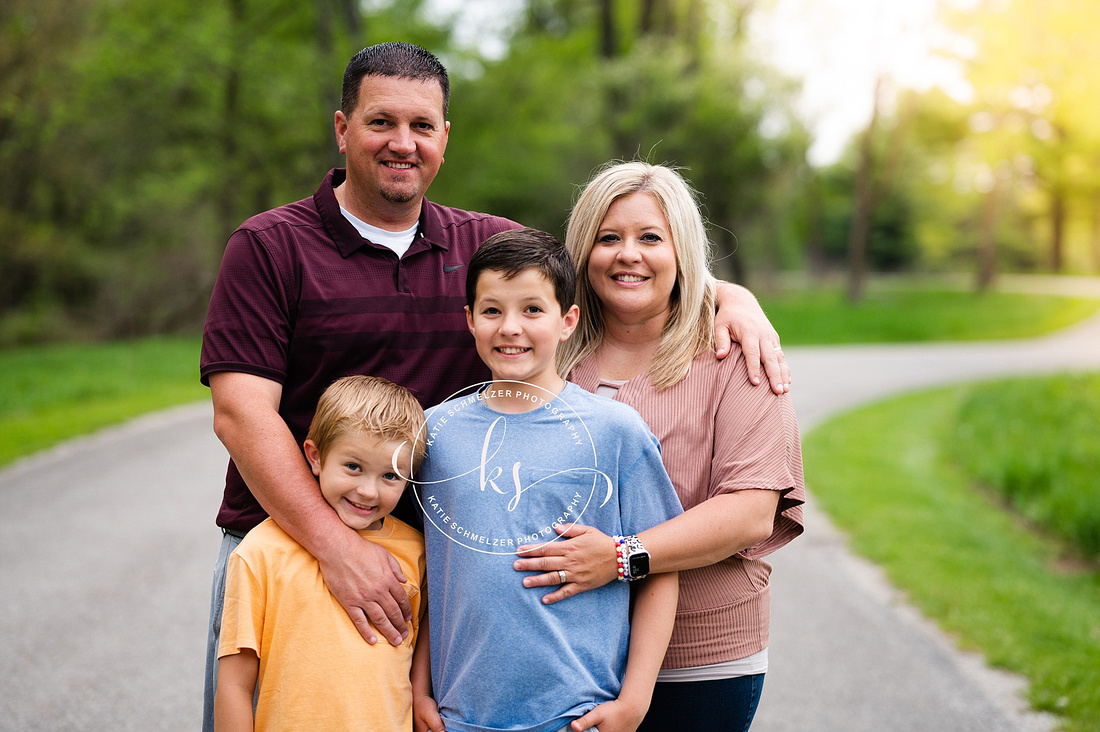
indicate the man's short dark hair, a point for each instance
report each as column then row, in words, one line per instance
column 518, row 250
column 395, row 58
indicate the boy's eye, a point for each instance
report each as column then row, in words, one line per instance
column 490, row 311
column 391, row 476
column 354, row 467
column 532, row 309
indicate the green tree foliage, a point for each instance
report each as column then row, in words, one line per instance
column 45, row 271
column 663, row 81
column 1038, row 123
column 136, row 134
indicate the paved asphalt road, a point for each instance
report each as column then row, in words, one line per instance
column 107, row 545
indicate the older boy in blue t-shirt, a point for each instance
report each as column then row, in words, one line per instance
column 506, row 463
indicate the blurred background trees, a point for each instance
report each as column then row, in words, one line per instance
column 136, row 134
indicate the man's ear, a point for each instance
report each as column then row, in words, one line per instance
column 340, row 123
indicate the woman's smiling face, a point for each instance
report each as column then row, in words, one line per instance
column 632, row 267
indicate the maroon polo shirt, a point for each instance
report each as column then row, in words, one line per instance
column 303, row 299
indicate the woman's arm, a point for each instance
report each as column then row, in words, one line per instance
column 711, row 531
column 236, row 689
column 650, row 630
column 704, row 534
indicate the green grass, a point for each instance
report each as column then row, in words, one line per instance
column 52, row 393
column 49, row 394
column 885, row 475
column 1036, row 442
column 907, row 315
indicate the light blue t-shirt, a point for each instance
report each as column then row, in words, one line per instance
column 501, row 660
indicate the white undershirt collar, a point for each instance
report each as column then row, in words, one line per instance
column 398, row 241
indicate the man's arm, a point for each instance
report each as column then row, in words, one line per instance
column 237, row 675
column 650, row 630
column 741, row 318
column 363, row 576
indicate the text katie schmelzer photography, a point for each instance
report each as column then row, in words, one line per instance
column 515, row 499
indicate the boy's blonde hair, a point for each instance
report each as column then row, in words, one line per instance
column 370, row 405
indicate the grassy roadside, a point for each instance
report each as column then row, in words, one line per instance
column 908, row 315
column 52, row 393
column 886, row 476
column 1034, row 441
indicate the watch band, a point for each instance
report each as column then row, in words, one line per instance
column 632, row 559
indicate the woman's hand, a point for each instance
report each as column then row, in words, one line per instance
column 741, row 319
column 585, row 554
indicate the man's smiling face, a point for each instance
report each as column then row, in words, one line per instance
column 394, row 143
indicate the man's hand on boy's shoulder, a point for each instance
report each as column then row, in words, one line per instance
column 367, row 582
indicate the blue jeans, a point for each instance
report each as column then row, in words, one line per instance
column 217, row 598
column 725, row 705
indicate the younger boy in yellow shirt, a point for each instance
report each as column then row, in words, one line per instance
column 282, row 629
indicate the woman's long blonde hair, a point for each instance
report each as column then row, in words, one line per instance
column 690, row 327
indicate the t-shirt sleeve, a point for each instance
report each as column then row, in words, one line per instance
column 646, row 495
column 250, row 319
column 757, row 446
column 243, row 613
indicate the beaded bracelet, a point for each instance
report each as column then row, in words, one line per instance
column 620, row 558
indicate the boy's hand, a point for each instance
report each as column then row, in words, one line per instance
column 366, row 581
column 741, row 318
column 426, row 715
column 612, row 716
column 585, row 554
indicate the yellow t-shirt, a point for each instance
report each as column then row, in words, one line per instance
column 316, row 671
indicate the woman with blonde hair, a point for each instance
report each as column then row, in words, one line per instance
column 732, row 450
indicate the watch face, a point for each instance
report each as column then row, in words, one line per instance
column 639, row 565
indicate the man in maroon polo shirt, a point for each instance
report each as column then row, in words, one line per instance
column 365, row 277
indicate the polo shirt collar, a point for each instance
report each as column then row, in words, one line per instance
column 347, row 238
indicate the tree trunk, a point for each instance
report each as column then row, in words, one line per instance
column 987, row 240
column 645, row 23
column 1095, row 232
column 1057, row 226
column 353, row 19
column 330, row 95
column 608, row 42
column 231, row 101
column 815, row 218
column 863, row 206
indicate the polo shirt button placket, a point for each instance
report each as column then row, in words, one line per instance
column 401, row 278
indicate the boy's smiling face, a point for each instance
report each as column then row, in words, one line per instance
column 517, row 324
column 357, row 476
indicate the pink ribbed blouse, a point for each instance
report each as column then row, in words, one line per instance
column 719, row 434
